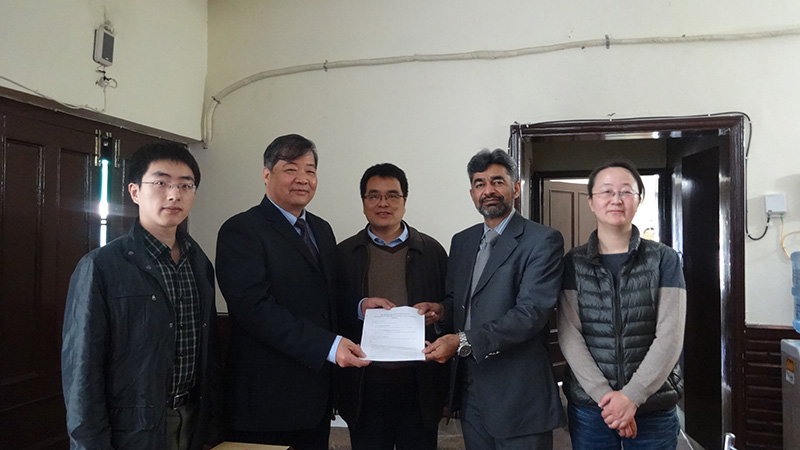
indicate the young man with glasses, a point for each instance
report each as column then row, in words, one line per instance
column 388, row 263
column 138, row 361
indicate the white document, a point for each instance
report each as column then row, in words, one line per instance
column 396, row 334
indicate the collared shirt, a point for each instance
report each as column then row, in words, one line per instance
column 292, row 220
column 500, row 226
column 394, row 243
column 185, row 298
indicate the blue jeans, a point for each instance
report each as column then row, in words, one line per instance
column 655, row 431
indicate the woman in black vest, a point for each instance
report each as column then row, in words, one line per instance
column 621, row 317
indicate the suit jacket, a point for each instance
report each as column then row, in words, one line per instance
column 512, row 302
column 282, row 309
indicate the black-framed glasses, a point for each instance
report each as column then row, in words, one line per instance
column 185, row 188
column 609, row 194
column 391, row 197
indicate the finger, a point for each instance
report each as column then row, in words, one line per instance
column 614, row 424
column 356, row 362
column 430, row 348
column 424, row 307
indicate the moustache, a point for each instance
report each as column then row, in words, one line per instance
column 492, row 197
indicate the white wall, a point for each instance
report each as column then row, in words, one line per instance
column 429, row 118
column 160, row 56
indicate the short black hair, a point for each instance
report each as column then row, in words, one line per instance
column 623, row 164
column 288, row 148
column 485, row 158
column 160, row 151
column 385, row 170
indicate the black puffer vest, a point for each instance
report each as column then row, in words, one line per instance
column 619, row 321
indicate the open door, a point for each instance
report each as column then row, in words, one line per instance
column 701, row 196
column 702, row 358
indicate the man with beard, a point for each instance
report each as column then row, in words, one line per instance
column 502, row 284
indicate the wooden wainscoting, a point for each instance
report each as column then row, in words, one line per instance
column 763, row 415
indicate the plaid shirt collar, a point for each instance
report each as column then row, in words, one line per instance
column 157, row 249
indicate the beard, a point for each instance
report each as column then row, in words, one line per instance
column 498, row 210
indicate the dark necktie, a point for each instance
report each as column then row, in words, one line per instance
column 306, row 236
column 489, row 238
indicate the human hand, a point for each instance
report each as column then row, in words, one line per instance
column 348, row 354
column 375, row 302
column 629, row 430
column 442, row 349
column 433, row 311
column 618, row 412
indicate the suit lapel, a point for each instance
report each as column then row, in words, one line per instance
column 325, row 247
column 502, row 249
column 280, row 224
column 469, row 248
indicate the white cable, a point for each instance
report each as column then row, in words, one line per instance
column 607, row 42
column 68, row 105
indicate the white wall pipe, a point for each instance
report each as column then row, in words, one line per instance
column 607, row 42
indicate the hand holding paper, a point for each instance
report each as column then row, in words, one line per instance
column 396, row 334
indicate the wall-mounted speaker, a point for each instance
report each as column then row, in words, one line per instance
column 103, row 47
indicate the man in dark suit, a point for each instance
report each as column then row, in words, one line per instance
column 502, row 283
column 275, row 267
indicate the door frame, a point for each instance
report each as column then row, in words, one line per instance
column 731, row 130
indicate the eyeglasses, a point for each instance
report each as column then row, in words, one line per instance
column 185, row 188
column 608, row 195
column 392, row 197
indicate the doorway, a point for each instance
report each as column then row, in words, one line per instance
column 700, row 165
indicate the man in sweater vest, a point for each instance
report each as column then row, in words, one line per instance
column 388, row 264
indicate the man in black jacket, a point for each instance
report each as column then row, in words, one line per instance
column 139, row 325
column 389, row 264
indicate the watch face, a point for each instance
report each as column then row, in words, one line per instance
column 464, row 350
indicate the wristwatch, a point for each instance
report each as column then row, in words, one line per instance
column 464, row 347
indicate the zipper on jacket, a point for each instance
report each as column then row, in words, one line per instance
column 617, row 306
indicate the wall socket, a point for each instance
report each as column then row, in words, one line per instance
column 775, row 203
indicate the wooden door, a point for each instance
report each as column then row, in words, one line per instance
column 702, row 359
column 566, row 208
column 47, row 202
column 49, row 218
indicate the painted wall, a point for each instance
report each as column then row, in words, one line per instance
column 429, row 118
column 160, row 56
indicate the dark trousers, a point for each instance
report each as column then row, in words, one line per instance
column 312, row 439
column 476, row 436
column 391, row 414
column 181, row 424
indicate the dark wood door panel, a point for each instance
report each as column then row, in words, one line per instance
column 46, row 211
column 49, row 199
